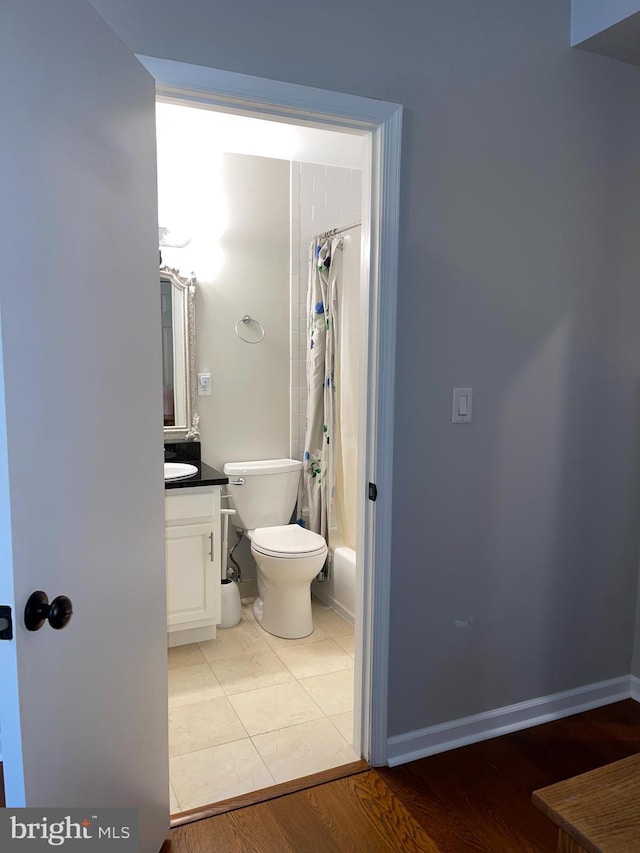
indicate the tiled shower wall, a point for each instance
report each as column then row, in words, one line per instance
column 322, row 198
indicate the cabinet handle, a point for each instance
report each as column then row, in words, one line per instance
column 211, row 548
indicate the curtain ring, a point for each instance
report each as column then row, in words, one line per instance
column 246, row 319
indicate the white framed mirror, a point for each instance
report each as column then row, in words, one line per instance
column 178, row 306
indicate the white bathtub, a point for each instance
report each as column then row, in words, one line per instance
column 339, row 590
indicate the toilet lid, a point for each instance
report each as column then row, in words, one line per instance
column 287, row 540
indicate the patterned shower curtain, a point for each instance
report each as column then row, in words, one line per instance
column 317, row 481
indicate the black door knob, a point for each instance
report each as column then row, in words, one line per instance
column 38, row 611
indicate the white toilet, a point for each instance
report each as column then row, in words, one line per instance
column 288, row 556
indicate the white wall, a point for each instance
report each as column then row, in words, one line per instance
column 236, row 209
column 197, row 197
column 519, row 265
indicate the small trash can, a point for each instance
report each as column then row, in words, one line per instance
column 231, row 604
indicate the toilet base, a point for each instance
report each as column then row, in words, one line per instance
column 290, row 619
column 283, row 606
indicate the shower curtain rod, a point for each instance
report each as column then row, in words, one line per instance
column 335, row 231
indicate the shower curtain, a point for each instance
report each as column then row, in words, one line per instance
column 344, row 506
column 318, row 474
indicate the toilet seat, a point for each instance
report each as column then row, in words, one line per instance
column 287, row 541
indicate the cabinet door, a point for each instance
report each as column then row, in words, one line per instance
column 191, row 575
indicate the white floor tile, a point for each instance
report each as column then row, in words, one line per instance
column 294, row 698
column 201, row 725
column 327, row 619
column 174, row 805
column 315, row 658
column 346, row 643
column 218, row 773
column 189, row 684
column 250, row 672
column 247, row 610
column 333, row 693
column 276, row 707
column 282, row 643
column 243, row 639
column 303, row 749
column 188, row 655
column 344, row 724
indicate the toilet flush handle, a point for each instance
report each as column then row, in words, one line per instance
column 239, row 482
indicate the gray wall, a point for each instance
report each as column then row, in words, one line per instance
column 519, row 277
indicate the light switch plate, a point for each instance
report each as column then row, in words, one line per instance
column 461, row 410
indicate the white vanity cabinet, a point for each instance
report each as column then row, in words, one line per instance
column 193, row 561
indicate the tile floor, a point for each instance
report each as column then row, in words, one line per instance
column 248, row 710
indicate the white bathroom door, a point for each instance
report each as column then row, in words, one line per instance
column 83, row 710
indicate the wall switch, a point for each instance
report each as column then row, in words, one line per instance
column 461, row 412
column 204, row 385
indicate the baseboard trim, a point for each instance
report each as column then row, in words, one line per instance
column 331, row 602
column 500, row 721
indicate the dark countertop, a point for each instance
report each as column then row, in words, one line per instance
column 206, row 476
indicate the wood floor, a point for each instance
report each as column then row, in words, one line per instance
column 358, row 813
column 476, row 798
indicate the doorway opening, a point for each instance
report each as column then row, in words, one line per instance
column 377, row 127
column 269, row 710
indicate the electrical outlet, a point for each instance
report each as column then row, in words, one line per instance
column 204, row 385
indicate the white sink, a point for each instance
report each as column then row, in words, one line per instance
column 176, row 470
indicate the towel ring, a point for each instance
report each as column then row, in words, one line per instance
column 246, row 320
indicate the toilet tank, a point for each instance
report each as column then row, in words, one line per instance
column 263, row 492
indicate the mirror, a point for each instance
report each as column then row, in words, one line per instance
column 178, row 301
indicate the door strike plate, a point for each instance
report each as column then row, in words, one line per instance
column 6, row 625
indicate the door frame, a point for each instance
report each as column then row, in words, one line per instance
column 381, row 122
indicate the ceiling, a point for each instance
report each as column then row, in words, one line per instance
column 621, row 41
